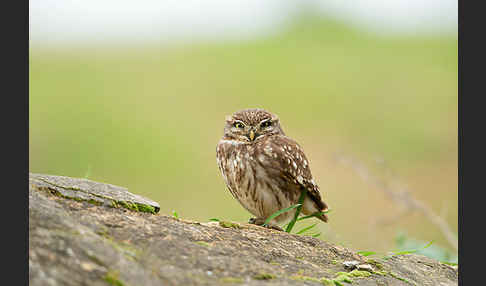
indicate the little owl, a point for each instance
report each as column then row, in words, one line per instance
column 264, row 169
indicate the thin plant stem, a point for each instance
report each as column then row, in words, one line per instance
column 306, row 228
column 313, row 215
column 297, row 211
column 276, row 214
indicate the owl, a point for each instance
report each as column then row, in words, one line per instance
column 264, row 169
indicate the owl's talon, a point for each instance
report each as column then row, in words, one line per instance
column 273, row 226
column 261, row 222
column 256, row 221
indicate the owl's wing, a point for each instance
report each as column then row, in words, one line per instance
column 286, row 154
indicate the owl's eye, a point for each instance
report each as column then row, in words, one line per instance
column 266, row 123
column 238, row 125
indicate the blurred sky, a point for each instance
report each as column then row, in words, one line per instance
column 62, row 22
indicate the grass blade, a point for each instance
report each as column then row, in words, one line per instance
column 313, row 215
column 88, row 172
column 306, row 228
column 316, row 234
column 277, row 213
column 449, row 263
column 366, row 253
column 297, row 212
column 408, row 251
column 213, row 219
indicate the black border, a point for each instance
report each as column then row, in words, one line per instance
column 14, row 20
column 459, row 140
column 471, row 143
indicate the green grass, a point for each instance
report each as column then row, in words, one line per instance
column 407, row 245
column 307, row 228
column 298, row 208
column 279, row 212
column 409, row 251
column 111, row 277
column 289, row 226
column 366, row 253
column 149, row 118
column 297, row 211
column 88, row 172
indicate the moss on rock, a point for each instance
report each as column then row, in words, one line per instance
column 264, row 276
column 111, row 277
column 228, row 224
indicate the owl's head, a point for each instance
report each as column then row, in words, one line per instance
column 250, row 125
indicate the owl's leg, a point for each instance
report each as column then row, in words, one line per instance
column 261, row 222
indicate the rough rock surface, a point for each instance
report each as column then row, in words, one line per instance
column 78, row 236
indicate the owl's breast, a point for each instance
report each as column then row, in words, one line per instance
column 237, row 163
column 234, row 161
column 249, row 178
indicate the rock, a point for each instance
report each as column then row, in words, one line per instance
column 351, row 264
column 93, row 192
column 365, row 267
column 78, row 236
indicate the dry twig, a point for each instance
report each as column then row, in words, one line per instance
column 402, row 197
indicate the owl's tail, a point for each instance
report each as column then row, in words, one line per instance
column 323, row 217
column 311, row 207
column 323, row 208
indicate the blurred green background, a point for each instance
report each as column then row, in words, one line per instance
column 148, row 117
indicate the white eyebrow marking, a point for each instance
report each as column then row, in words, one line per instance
column 239, row 121
column 264, row 120
column 232, row 142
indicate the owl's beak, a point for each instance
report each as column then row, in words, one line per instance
column 252, row 135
